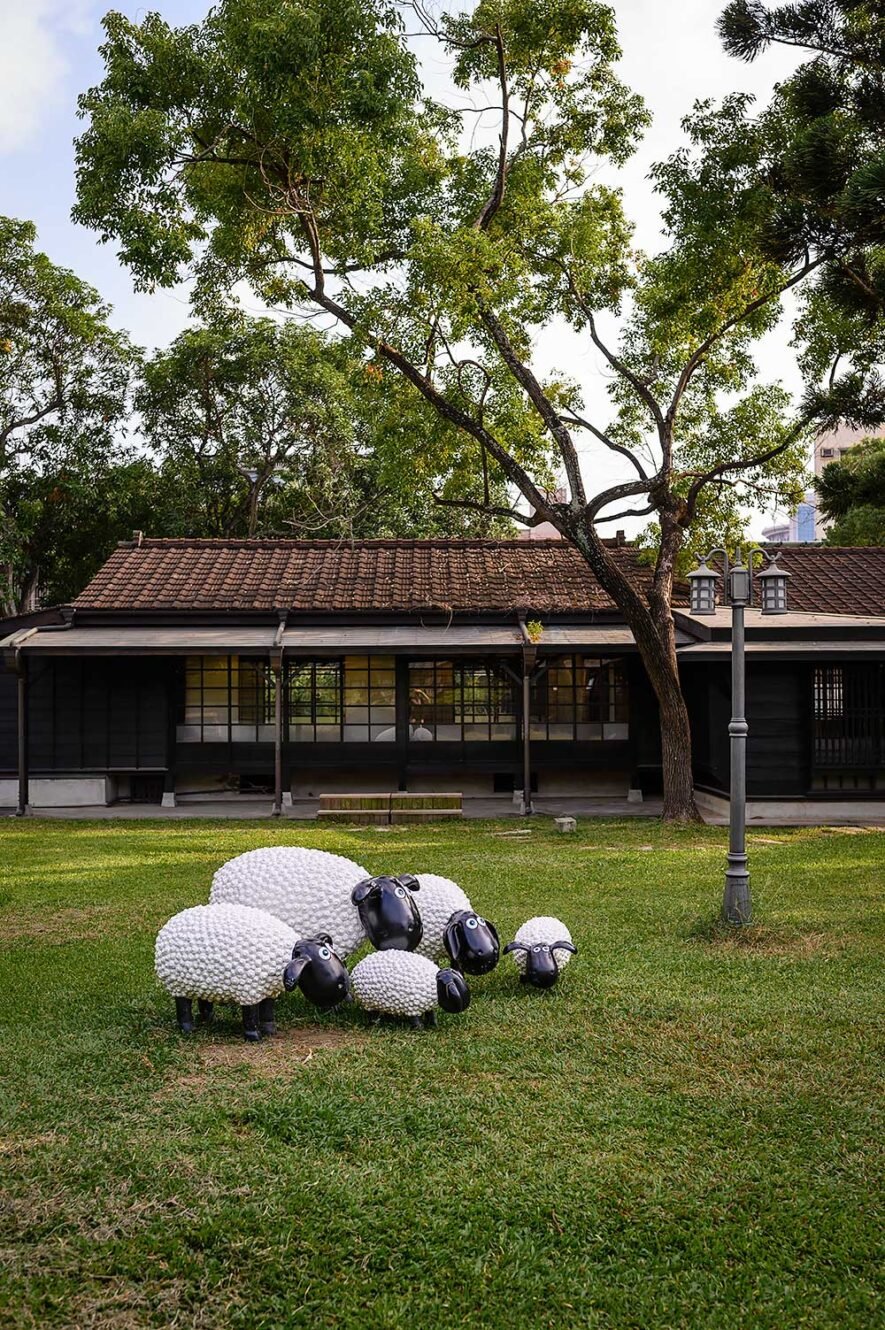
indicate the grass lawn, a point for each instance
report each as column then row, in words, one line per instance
column 683, row 1133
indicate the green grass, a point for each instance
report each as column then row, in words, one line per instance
column 683, row 1133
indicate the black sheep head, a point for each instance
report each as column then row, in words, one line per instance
column 318, row 971
column 388, row 913
column 472, row 943
column 452, row 992
column 541, row 965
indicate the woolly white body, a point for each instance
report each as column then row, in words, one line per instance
column 224, row 953
column 437, row 898
column 543, row 928
column 400, row 983
column 308, row 889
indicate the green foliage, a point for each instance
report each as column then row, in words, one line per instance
column 852, row 492
column 64, row 377
column 823, row 166
column 685, row 1132
column 266, row 428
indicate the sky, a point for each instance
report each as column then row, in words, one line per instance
column 49, row 54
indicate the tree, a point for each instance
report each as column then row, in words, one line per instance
column 270, row 428
column 825, row 168
column 61, row 521
column 64, row 375
column 294, row 147
column 852, row 494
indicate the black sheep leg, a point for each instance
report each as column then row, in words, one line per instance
column 266, row 1021
column 184, row 1013
column 430, row 1020
column 250, row 1024
column 415, row 1022
column 207, row 1011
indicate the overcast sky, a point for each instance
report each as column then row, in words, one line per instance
column 49, row 54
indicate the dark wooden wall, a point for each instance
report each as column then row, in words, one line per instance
column 8, row 721
column 98, row 714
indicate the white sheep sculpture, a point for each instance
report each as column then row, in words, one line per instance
column 452, row 927
column 310, row 890
column 542, row 947
column 224, row 953
column 402, row 983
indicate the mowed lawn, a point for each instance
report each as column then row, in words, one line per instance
column 685, row 1132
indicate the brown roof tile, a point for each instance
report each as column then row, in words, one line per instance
column 412, row 575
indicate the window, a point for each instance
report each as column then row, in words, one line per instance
column 849, row 718
column 580, row 698
column 827, row 452
column 456, row 701
column 314, row 710
column 227, row 699
column 351, row 700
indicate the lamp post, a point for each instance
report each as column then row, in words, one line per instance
column 737, row 906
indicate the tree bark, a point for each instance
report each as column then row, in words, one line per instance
column 655, row 634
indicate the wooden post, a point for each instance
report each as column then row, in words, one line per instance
column 276, row 666
column 526, row 738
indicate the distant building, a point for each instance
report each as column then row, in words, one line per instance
column 806, row 524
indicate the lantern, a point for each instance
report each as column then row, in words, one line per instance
column 702, row 584
column 739, row 583
column 773, row 581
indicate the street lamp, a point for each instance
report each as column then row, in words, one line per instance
column 737, row 907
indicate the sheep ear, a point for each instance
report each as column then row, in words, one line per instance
column 409, row 880
column 564, row 946
column 515, row 946
column 293, row 972
column 452, row 939
column 362, row 890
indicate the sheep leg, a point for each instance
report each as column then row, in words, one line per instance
column 207, row 1011
column 430, row 1020
column 266, row 1021
column 415, row 1022
column 250, row 1024
column 185, row 1015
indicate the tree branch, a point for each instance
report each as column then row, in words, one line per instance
column 541, row 402
column 494, row 202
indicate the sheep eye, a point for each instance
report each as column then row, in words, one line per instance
column 400, row 891
column 472, row 923
column 325, row 953
column 537, row 948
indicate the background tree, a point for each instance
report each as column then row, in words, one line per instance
column 852, row 495
column 269, row 428
column 294, row 147
column 64, row 375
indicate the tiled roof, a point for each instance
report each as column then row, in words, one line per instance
column 412, row 575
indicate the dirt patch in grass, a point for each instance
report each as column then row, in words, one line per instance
column 281, row 1055
column 761, row 939
column 56, row 927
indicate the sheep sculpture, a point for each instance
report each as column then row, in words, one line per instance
column 387, row 912
column 542, row 947
column 310, row 890
column 401, row 983
column 452, row 927
column 235, row 953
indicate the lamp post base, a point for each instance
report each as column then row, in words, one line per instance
column 737, row 906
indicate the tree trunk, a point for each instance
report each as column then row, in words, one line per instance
column 655, row 636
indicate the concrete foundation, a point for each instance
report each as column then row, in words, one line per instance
column 793, row 812
column 60, row 792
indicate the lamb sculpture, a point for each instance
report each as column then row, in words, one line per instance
column 308, row 889
column 400, row 983
column 534, row 949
